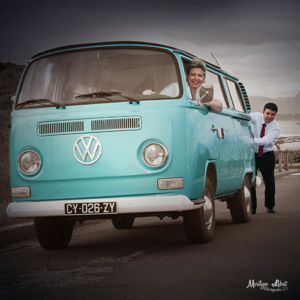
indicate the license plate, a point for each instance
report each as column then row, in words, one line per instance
column 90, row 208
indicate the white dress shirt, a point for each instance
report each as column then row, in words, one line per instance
column 272, row 131
column 172, row 90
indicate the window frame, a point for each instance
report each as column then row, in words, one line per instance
column 100, row 47
column 185, row 62
column 240, row 98
column 219, row 76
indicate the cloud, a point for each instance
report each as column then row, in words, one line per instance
column 267, row 69
column 258, row 39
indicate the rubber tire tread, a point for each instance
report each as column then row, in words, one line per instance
column 53, row 234
column 237, row 205
column 194, row 222
column 123, row 222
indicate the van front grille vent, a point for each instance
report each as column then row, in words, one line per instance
column 116, row 124
column 245, row 97
column 53, row 128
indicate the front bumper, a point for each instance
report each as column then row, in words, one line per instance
column 152, row 204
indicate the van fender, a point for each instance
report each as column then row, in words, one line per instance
column 249, row 172
column 254, row 180
column 251, row 176
column 211, row 173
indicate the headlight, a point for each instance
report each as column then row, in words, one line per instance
column 155, row 155
column 29, row 162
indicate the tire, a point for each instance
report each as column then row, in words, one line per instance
column 123, row 222
column 241, row 204
column 199, row 224
column 52, row 233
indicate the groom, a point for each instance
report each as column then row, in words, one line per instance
column 265, row 130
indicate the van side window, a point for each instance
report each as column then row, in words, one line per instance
column 235, row 96
column 215, row 80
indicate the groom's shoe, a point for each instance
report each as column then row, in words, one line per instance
column 270, row 209
column 253, row 211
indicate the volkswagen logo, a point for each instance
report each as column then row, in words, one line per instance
column 87, row 145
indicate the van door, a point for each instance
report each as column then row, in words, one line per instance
column 225, row 150
column 241, row 121
column 221, row 150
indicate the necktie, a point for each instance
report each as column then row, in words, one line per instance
column 262, row 134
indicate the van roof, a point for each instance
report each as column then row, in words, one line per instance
column 111, row 38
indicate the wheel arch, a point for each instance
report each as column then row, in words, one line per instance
column 211, row 173
column 250, row 177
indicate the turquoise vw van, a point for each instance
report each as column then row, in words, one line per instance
column 94, row 134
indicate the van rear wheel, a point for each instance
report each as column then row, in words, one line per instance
column 53, row 233
column 123, row 222
column 241, row 204
column 199, row 224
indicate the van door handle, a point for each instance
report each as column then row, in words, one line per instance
column 221, row 132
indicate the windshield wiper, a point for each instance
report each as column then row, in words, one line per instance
column 57, row 104
column 105, row 95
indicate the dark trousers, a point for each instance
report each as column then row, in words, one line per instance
column 266, row 165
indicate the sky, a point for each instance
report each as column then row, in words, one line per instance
column 258, row 40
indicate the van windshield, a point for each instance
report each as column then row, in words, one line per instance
column 83, row 77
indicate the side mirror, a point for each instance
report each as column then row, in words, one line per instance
column 206, row 93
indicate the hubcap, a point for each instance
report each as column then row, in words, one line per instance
column 208, row 212
column 247, row 195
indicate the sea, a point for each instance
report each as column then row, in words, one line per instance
column 289, row 128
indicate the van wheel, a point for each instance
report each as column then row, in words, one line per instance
column 241, row 204
column 52, row 233
column 199, row 224
column 123, row 222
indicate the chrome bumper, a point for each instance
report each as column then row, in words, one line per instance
column 128, row 205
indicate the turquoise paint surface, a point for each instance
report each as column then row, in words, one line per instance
column 119, row 171
column 182, row 127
